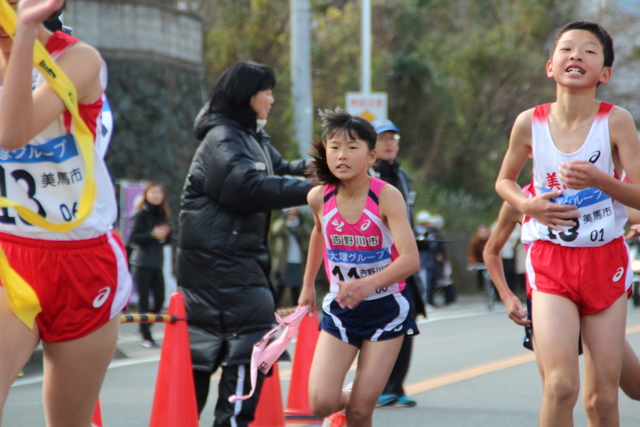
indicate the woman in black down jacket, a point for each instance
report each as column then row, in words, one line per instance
column 149, row 232
column 235, row 180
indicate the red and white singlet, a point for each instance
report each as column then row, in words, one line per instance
column 602, row 219
column 48, row 173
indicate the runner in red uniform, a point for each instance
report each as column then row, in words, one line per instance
column 577, row 263
column 78, row 280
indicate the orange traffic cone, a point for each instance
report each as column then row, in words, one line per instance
column 269, row 411
column 174, row 401
column 96, row 421
column 298, row 406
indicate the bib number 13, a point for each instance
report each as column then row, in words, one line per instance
column 569, row 236
column 19, row 175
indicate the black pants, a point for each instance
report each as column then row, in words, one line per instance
column 232, row 377
column 148, row 282
column 400, row 369
column 294, row 292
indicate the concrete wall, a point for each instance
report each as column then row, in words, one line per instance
column 138, row 30
column 156, row 85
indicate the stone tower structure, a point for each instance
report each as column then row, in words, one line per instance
column 156, row 86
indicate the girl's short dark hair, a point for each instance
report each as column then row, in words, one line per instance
column 232, row 93
column 334, row 122
column 595, row 29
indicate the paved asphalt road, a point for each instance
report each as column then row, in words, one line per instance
column 468, row 369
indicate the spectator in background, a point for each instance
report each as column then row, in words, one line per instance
column 432, row 252
column 149, row 233
column 474, row 254
column 425, row 250
column 442, row 272
column 289, row 245
column 508, row 257
column 235, row 180
column 388, row 169
column 520, row 260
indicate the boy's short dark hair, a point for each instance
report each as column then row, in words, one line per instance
column 334, row 122
column 595, row 29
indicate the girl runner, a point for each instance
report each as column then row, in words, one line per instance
column 362, row 232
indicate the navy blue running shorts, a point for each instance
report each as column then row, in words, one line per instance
column 374, row 320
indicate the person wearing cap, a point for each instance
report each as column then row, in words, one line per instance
column 388, row 169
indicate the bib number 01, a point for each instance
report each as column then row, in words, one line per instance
column 597, row 235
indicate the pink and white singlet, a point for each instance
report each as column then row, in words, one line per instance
column 357, row 250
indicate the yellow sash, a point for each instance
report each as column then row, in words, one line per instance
column 22, row 299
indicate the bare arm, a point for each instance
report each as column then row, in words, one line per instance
column 634, row 221
column 539, row 207
column 507, row 220
column 634, row 216
column 25, row 113
column 626, row 153
column 394, row 214
column 316, row 251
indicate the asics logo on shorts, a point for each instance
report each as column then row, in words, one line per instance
column 618, row 275
column 399, row 328
column 103, row 294
column 366, row 225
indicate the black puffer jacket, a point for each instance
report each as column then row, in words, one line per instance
column 223, row 260
column 146, row 249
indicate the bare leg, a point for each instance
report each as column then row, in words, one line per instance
column 375, row 363
column 18, row 343
column 557, row 326
column 538, row 362
column 630, row 374
column 603, row 343
column 73, row 375
column 331, row 362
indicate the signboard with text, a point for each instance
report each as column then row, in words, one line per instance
column 371, row 106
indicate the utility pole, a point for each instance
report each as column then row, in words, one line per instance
column 301, row 73
column 365, row 103
column 365, row 48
